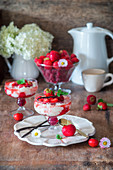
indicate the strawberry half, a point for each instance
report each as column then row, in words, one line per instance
column 48, row 92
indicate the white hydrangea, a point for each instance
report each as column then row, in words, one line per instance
column 29, row 42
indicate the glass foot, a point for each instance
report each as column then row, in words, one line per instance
column 26, row 112
column 51, row 132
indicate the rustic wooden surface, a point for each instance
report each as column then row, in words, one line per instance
column 58, row 16
column 16, row 154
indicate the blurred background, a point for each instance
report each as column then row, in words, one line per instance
column 57, row 17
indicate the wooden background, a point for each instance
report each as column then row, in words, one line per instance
column 57, row 17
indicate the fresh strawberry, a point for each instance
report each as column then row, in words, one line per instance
column 54, row 55
column 38, row 61
column 42, row 57
column 102, row 106
column 68, row 130
column 18, row 116
column 70, row 64
column 65, row 57
column 55, row 65
column 48, row 92
column 14, row 84
column 93, row 142
column 47, row 55
column 63, row 53
column 73, row 56
column 54, row 100
column 91, row 99
column 48, row 64
column 75, row 60
column 86, row 107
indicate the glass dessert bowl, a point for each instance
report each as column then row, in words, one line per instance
column 52, row 107
column 20, row 90
column 57, row 68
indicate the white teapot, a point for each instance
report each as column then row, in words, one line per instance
column 90, row 48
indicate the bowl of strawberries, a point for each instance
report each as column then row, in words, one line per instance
column 57, row 67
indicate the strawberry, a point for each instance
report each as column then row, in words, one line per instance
column 47, row 55
column 18, row 116
column 38, row 61
column 73, row 56
column 42, row 57
column 70, row 64
column 46, row 100
column 91, row 99
column 54, row 55
column 75, row 60
column 48, row 64
column 63, row 53
column 55, row 65
column 48, row 92
column 102, row 106
column 86, row 107
column 54, row 100
column 22, row 95
column 68, row 130
column 61, row 98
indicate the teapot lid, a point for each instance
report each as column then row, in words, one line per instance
column 89, row 28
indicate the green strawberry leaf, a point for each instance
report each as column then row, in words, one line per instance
column 21, row 81
column 109, row 104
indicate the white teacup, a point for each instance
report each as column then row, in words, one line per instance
column 94, row 79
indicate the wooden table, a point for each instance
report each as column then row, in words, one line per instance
column 16, row 154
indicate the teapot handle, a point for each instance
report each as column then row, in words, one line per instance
column 109, row 60
column 8, row 64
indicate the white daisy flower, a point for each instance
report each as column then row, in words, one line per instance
column 105, row 143
column 62, row 63
column 36, row 133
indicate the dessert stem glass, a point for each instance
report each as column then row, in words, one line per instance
column 52, row 111
column 20, row 94
column 58, row 76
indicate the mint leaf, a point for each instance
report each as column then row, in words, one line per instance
column 58, row 136
column 21, row 81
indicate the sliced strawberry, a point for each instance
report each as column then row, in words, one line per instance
column 46, row 100
column 53, row 100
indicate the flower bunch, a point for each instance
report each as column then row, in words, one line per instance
column 30, row 41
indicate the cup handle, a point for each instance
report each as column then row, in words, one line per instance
column 110, row 81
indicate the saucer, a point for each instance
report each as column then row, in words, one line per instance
column 80, row 123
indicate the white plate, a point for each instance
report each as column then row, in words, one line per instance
column 80, row 123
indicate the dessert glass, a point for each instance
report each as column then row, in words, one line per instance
column 51, row 111
column 20, row 92
column 58, row 76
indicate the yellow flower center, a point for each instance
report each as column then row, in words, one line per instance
column 62, row 63
column 104, row 143
column 36, row 134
